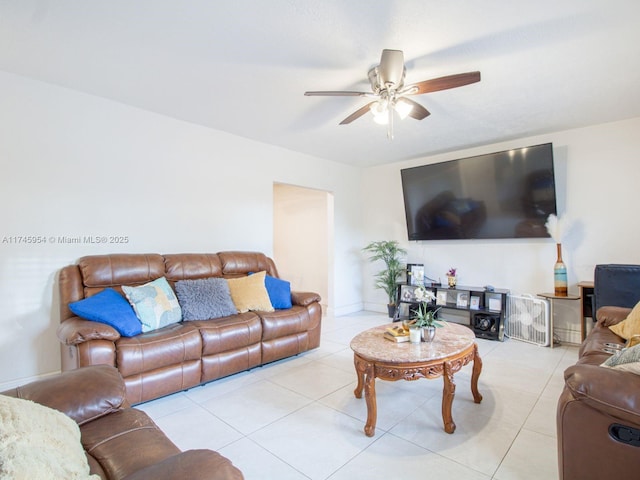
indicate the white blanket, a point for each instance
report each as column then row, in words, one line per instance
column 39, row 443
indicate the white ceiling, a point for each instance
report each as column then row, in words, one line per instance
column 242, row 66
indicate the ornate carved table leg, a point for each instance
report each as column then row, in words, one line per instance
column 477, row 368
column 448, row 393
column 360, row 367
column 370, row 397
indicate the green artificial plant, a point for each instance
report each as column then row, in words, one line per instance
column 390, row 253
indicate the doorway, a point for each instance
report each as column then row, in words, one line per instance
column 303, row 239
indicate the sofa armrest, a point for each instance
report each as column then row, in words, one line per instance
column 192, row 464
column 77, row 330
column 83, row 394
column 607, row 316
column 612, row 391
column 304, row 299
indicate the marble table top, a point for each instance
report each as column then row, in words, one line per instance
column 450, row 340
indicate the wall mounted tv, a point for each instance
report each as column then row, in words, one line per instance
column 506, row 194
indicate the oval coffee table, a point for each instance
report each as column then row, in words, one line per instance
column 375, row 357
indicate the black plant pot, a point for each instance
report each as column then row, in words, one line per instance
column 392, row 310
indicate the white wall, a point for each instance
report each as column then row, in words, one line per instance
column 77, row 165
column 302, row 233
column 597, row 172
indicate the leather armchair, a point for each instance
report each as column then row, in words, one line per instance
column 121, row 442
column 598, row 416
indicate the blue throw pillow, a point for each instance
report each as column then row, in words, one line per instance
column 111, row 308
column 279, row 292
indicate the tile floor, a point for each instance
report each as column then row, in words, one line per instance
column 298, row 419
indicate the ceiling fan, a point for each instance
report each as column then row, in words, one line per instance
column 387, row 85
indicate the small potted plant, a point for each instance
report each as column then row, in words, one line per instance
column 389, row 252
column 425, row 317
column 452, row 280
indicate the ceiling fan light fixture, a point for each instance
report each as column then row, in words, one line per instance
column 380, row 112
column 403, row 108
column 387, row 84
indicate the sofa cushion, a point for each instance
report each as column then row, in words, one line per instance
column 111, row 308
column 39, row 442
column 249, row 293
column 630, row 326
column 100, row 271
column 175, row 344
column 125, row 442
column 279, row 292
column 205, row 298
column 155, row 304
column 229, row 333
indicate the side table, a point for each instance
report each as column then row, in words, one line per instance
column 552, row 297
column 586, row 293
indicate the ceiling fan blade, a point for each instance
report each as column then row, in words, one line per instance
column 391, row 69
column 444, row 83
column 418, row 111
column 337, row 94
column 357, row 114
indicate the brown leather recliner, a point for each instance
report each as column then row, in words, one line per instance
column 121, row 443
column 183, row 355
column 598, row 417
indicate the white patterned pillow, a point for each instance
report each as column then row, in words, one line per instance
column 155, row 304
column 627, row 359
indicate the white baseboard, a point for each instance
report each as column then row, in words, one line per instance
column 567, row 336
column 375, row 307
column 23, row 381
column 347, row 309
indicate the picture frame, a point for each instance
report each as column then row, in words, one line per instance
column 495, row 303
column 403, row 310
column 415, row 274
column 407, row 293
column 462, row 300
column 474, row 302
column 441, row 297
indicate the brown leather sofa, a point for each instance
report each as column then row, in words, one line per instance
column 183, row 355
column 598, row 416
column 121, row 442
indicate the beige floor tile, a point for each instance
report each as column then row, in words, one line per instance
column 479, row 442
column 316, row 440
column 256, row 405
column 391, row 458
column 533, row 456
column 197, row 428
column 314, row 380
column 297, row 419
column 257, row 463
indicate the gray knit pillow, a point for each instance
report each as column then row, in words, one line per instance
column 204, row 299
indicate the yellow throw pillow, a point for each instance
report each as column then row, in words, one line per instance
column 249, row 293
column 630, row 326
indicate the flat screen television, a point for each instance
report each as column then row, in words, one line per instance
column 506, row 194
